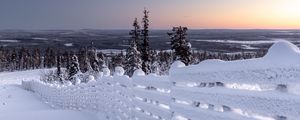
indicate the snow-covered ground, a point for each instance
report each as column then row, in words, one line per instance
column 265, row 88
column 19, row 104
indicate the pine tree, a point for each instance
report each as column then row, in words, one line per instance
column 13, row 60
column 83, row 59
column 59, row 71
column 154, row 62
column 37, row 58
column 94, row 62
column 180, row 45
column 74, row 67
column 66, row 59
column 133, row 56
column 101, row 61
column 145, row 47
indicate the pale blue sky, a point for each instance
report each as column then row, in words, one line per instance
column 119, row 14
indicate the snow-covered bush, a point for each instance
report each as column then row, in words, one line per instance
column 106, row 72
column 139, row 72
column 77, row 78
column 119, row 71
column 50, row 76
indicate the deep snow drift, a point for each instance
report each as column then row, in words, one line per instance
column 261, row 88
column 281, row 54
column 188, row 92
column 19, row 104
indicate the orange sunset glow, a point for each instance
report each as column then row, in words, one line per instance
column 248, row 14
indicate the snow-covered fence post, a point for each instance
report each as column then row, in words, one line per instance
column 151, row 96
column 137, row 73
column 173, row 73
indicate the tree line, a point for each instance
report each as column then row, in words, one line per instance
column 87, row 61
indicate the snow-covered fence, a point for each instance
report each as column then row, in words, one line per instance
column 212, row 95
column 264, row 88
column 236, row 94
column 141, row 97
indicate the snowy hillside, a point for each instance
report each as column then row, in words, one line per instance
column 266, row 88
column 19, row 104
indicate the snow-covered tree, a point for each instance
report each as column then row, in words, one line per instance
column 145, row 47
column 74, row 67
column 101, row 61
column 180, row 45
column 59, row 70
column 154, row 62
column 83, row 59
column 94, row 61
column 133, row 56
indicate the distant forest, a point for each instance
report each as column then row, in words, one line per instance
column 139, row 55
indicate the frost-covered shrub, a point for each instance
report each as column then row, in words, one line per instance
column 106, row 72
column 96, row 74
column 90, row 78
column 177, row 64
column 119, row 71
column 50, row 76
column 139, row 72
column 76, row 79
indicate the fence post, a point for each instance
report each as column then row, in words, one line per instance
column 172, row 71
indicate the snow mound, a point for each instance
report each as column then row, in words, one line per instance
column 281, row 54
column 178, row 64
column 106, row 72
column 119, row 71
column 139, row 72
column 283, row 50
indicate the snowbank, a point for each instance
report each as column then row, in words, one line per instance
column 281, row 54
column 262, row 88
column 18, row 104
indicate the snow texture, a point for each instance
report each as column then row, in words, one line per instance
column 19, row 104
column 265, row 88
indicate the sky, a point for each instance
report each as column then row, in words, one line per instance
column 164, row 14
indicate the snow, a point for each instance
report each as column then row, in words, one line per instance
column 106, row 72
column 10, row 41
column 17, row 77
column 177, row 64
column 139, row 72
column 38, row 38
column 284, row 52
column 262, row 88
column 281, row 54
column 248, row 47
column 212, row 90
column 68, row 44
column 19, row 104
column 240, row 42
column 119, row 71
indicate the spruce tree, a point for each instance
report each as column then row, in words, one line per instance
column 74, row 67
column 13, row 59
column 180, row 45
column 101, row 60
column 83, row 59
column 94, row 62
column 59, row 71
column 133, row 56
column 145, row 47
column 37, row 58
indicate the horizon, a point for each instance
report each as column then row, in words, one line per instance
column 149, row 29
column 195, row 14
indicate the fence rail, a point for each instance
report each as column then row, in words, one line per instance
column 182, row 95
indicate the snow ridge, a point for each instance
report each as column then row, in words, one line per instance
column 210, row 90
